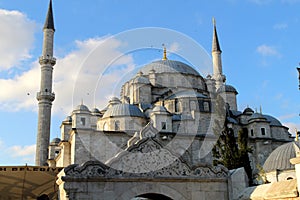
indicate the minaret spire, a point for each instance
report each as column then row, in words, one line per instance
column 49, row 23
column 217, row 60
column 45, row 96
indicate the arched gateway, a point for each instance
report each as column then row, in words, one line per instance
column 152, row 196
column 128, row 175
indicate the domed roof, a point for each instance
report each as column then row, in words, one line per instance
column 159, row 109
column 227, row 88
column 273, row 121
column 168, row 66
column 123, row 110
column 141, row 79
column 186, row 94
column 248, row 111
column 55, row 141
column 68, row 119
column 82, row 107
column 256, row 116
column 280, row 158
column 95, row 111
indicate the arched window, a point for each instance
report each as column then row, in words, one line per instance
column 117, row 125
column 105, row 126
column 171, row 81
column 193, row 105
column 130, row 125
column 206, row 106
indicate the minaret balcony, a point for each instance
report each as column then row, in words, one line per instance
column 45, row 96
column 44, row 60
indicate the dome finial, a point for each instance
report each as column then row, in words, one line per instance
column 214, row 21
column 165, row 53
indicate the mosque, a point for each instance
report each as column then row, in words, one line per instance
column 154, row 141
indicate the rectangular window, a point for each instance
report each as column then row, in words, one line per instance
column 251, row 132
column 163, row 125
column 82, row 121
column 263, row 131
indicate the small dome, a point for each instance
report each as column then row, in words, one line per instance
column 95, row 110
column 114, row 101
column 68, row 119
column 55, row 141
column 159, row 109
column 168, row 66
column 248, row 111
column 186, row 94
column 257, row 116
column 279, row 159
column 123, row 110
column 82, row 107
column 273, row 121
column 227, row 88
column 141, row 79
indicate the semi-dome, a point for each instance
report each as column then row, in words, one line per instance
column 186, row 94
column 141, row 80
column 82, row 107
column 257, row 116
column 248, row 111
column 273, row 121
column 227, row 88
column 123, row 110
column 55, row 141
column 279, row 159
column 160, row 109
column 168, row 66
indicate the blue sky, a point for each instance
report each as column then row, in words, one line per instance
column 259, row 40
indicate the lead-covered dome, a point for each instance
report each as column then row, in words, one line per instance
column 119, row 110
column 279, row 159
column 168, row 66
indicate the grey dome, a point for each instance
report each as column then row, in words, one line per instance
column 273, row 121
column 186, row 94
column 280, row 158
column 55, row 141
column 142, row 80
column 168, row 66
column 68, row 119
column 248, row 111
column 123, row 110
column 82, row 107
column 257, row 116
column 95, row 110
column 159, row 109
column 227, row 88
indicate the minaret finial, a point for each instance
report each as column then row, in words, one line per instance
column 214, row 21
column 49, row 23
column 165, row 53
column 215, row 45
column 260, row 109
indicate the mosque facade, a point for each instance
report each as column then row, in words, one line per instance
column 154, row 141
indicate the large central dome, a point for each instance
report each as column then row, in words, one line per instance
column 169, row 66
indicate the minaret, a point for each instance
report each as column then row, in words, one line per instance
column 217, row 60
column 45, row 96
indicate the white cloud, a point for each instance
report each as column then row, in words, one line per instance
column 22, row 151
column 260, row 2
column 292, row 127
column 266, row 50
column 75, row 77
column 290, row 1
column 280, row 26
column 16, row 38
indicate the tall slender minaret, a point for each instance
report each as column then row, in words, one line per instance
column 217, row 60
column 45, row 96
